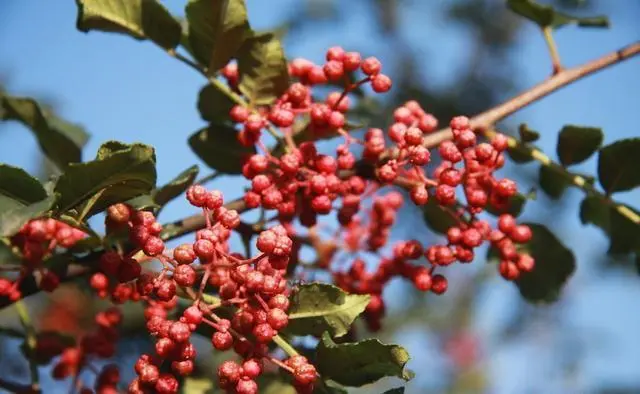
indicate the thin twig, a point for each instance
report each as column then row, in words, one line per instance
column 553, row 49
column 567, row 76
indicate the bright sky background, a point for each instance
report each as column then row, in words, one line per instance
column 131, row 91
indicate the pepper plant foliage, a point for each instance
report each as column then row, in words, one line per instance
column 265, row 112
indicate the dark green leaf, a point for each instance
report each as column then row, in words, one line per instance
column 554, row 264
column 18, row 188
column 319, row 307
column 360, row 363
column 7, row 253
column 198, row 385
column 526, row 134
column 624, row 235
column 514, row 207
column 577, row 143
column 274, row 384
column 436, row 217
column 264, row 75
column 143, row 202
column 397, row 390
column 217, row 29
column 219, row 148
column 12, row 220
column 552, row 182
column 520, row 154
column 119, row 174
column 213, row 105
column 140, row 19
column 618, row 165
column 593, row 210
column 176, row 186
column 323, row 386
column 545, row 15
column 62, row 142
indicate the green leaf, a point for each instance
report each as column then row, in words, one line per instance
column 577, row 143
column 18, row 188
column 552, row 182
column 526, row 134
column 176, row 186
column 60, row 141
column 360, row 363
column 143, row 202
column 262, row 66
column 7, row 253
column 554, row 264
column 109, row 148
column 213, row 105
column 12, row 220
column 520, row 154
column 218, row 146
column 140, row 19
column 397, row 390
column 618, row 165
column 197, row 385
column 624, row 235
column 319, row 307
column 274, row 384
column 123, row 174
column 437, row 217
column 217, row 29
column 323, row 386
column 547, row 16
column 594, row 210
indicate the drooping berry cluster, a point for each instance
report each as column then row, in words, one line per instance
column 99, row 344
column 36, row 241
column 256, row 287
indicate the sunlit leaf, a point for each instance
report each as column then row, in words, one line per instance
column 360, row 363
column 216, row 30
column 140, row 19
column 264, row 75
column 319, row 307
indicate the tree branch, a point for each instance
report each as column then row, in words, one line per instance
column 481, row 121
column 565, row 77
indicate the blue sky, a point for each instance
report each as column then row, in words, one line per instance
column 126, row 90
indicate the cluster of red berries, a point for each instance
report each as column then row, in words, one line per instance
column 142, row 227
column 36, row 240
column 300, row 184
column 297, row 100
column 505, row 239
column 98, row 344
column 257, row 287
